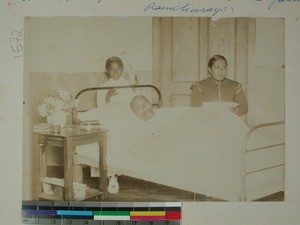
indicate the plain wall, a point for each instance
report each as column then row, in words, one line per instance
column 70, row 52
column 270, row 70
column 82, row 44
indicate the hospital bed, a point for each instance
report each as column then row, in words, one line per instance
column 205, row 150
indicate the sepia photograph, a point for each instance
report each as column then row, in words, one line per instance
column 166, row 109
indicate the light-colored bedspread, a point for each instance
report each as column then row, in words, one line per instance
column 195, row 149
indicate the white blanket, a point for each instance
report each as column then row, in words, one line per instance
column 196, row 149
column 170, row 126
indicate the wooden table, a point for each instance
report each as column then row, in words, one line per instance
column 68, row 139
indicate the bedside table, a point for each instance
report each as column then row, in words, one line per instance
column 67, row 140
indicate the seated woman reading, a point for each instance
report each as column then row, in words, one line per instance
column 218, row 88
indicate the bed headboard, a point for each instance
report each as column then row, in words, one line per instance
column 93, row 89
column 91, row 93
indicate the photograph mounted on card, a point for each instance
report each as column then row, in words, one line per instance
column 188, row 108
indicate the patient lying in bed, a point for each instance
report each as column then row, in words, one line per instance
column 126, row 123
column 142, row 107
column 149, row 144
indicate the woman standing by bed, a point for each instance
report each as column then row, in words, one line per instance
column 219, row 88
column 114, row 68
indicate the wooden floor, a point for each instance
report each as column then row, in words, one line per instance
column 136, row 190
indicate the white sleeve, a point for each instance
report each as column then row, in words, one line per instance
column 123, row 94
column 101, row 97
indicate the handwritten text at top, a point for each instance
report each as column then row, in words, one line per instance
column 271, row 4
column 276, row 2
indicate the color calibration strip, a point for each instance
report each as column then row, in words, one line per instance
column 101, row 213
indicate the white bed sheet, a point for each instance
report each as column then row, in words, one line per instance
column 195, row 149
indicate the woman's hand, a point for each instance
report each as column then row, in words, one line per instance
column 110, row 93
column 134, row 81
column 234, row 109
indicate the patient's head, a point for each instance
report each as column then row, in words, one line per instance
column 142, row 107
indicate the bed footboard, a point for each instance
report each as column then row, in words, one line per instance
column 247, row 149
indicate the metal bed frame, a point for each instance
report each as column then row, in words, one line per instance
column 117, row 87
column 159, row 104
column 245, row 149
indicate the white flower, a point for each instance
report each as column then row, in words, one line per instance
column 42, row 109
column 65, row 95
column 55, row 101
column 58, row 104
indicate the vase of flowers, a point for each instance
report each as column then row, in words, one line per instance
column 57, row 118
column 56, row 106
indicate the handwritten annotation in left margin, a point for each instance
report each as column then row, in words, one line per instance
column 188, row 8
column 16, row 43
